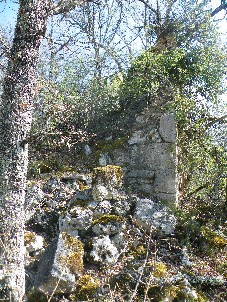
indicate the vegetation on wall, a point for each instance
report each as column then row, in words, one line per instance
column 92, row 80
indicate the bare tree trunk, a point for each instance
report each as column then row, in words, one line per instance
column 15, row 124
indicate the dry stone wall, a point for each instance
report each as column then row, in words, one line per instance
column 150, row 158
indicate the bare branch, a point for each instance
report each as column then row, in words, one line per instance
column 63, row 7
column 215, row 120
column 219, row 8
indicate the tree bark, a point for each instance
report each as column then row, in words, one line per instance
column 15, row 124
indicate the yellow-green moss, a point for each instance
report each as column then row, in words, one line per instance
column 104, row 219
column 82, row 186
column 86, row 287
column 160, row 270
column 175, row 292
column 29, row 237
column 214, row 239
column 107, row 172
column 104, row 146
column 137, row 251
column 74, row 260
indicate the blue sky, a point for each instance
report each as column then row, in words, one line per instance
column 8, row 12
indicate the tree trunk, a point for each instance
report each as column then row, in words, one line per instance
column 15, row 124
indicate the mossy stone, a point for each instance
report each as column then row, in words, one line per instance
column 86, row 287
column 104, row 219
column 74, row 260
column 107, row 173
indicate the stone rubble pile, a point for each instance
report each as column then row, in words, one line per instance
column 84, row 220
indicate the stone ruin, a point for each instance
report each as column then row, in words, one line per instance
column 149, row 157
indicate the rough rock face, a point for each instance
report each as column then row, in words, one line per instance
column 95, row 219
column 106, row 245
column 150, row 157
column 106, row 182
column 77, row 219
column 33, row 242
column 60, row 265
column 154, row 217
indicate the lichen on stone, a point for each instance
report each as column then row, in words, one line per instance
column 104, row 219
column 29, row 237
column 86, row 287
column 160, row 270
column 107, row 173
column 74, row 259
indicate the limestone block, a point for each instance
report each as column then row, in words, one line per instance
column 158, row 156
column 111, row 227
column 154, row 136
column 103, row 207
column 104, row 159
column 84, row 195
column 154, row 217
column 119, row 240
column 165, row 181
column 106, row 182
column 73, row 178
column 167, row 128
column 100, row 192
column 79, row 218
column 147, row 174
column 108, row 175
column 60, row 265
column 122, row 207
column 168, row 198
column 104, row 251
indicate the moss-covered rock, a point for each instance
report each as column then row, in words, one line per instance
column 74, row 259
column 86, row 287
column 109, row 175
column 104, row 219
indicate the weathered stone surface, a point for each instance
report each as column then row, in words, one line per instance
column 106, row 182
column 84, row 195
column 101, row 192
column 122, row 207
column 154, row 217
column 104, row 251
column 137, row 138
column 154, row 136
column 33, row 242
column 109, row 228
column 165, row 181
column 33, row 200
column 167, row 128
column 73, row 178
column 78, row 219
column 149, row 159
column 159, row 156
column 141, row 174
column 103, row 207
column 105, row 159
column 60, row 265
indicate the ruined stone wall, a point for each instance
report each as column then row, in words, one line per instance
column 149, row 159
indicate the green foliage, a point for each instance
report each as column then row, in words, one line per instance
column 185, row 73
column 75, row 103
